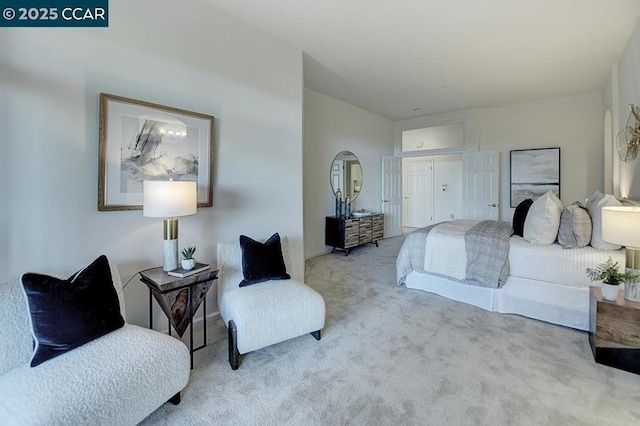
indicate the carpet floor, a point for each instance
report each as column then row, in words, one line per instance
column 398, row 356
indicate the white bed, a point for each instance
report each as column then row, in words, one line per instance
column 545, row 282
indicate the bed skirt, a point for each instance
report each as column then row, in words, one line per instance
column 558, row 304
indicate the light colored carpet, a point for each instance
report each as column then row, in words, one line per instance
column 393, row 355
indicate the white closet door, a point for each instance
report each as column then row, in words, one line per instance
column 417, row 189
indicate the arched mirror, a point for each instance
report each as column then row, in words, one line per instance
column 346, row 175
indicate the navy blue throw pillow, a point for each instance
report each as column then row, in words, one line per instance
column 520, row 215
column 66, row 314
column 262, row 261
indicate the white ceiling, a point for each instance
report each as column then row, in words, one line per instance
column 391, row 57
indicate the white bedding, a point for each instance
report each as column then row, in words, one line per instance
column 555, row 264
column 548, row 283
column 558, row 304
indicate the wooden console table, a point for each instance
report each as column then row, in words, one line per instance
column 344, row 233
column 614, row 331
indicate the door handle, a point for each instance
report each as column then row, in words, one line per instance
column 492, row 205
column 385, row 201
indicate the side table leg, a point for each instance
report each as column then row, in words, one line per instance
column 204, row 320
column 150, row 311
column 191, row 325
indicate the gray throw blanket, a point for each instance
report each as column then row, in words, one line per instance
column 487, row 247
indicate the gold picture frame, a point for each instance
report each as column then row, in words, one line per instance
column 141, row 140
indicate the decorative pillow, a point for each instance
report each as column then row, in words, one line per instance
column 543, row 220
column 66, row 314
column 595, row 203
column 575, row 226
column 262, row 261
column 520, row 215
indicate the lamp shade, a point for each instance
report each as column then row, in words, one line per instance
column 169, row 198
column 621, row 225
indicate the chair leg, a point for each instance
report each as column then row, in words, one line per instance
column 317, row 334
column 175, row 399
column 234, row 355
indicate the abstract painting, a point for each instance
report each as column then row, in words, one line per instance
column 144, row 141
column 534, row 172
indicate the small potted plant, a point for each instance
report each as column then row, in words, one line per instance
column 189, row 262
column 610, row 276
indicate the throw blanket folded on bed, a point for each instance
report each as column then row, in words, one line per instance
column 445, row 252
column 468, row 251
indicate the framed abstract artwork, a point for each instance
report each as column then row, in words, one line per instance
column 534, row 172
column 144, row 141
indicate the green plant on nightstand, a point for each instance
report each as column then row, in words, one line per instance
column 188, row 252
column 189, row 262
column 611, row 277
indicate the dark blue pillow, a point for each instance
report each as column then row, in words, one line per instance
column 262, row 261
column 66, row 314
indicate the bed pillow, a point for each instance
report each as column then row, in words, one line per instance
column 67, row 313
column 543, row 220
column 262, row 261
column 520, row 215
column 575, row 226
column 595, row 203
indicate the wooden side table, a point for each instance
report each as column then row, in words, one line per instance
column 179, row 299
column 614, row 331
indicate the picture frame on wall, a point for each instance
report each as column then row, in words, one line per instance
column 141, row 140
column 533, row 173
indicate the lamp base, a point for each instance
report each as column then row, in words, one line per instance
column 632, row 290
column 170, row 254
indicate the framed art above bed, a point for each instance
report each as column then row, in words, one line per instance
column 533, row 173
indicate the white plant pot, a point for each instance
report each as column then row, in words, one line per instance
column 188, row 264
column 609, row 291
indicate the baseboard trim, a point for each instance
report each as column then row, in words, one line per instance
column 321, row 253
column 197, row 323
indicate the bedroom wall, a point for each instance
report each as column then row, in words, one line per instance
column 447, row 175
column 183, row 54
column 574, row 123
column 610, row 129
column 331, row 126
column 627, row 77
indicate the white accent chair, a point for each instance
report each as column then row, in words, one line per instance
column 117, row 379
column 266, row 313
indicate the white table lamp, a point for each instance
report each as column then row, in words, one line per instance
column 621, row 225
column 169, row 199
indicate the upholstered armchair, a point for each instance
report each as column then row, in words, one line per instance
column 264, row 313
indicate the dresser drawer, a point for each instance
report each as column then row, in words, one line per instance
column 377, row 227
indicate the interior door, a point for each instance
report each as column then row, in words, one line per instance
column 480, row 192
column 392, row 195
column 417, row 190
column 337, row 181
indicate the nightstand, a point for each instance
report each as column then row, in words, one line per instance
column 614, row 331
column 179, row 299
